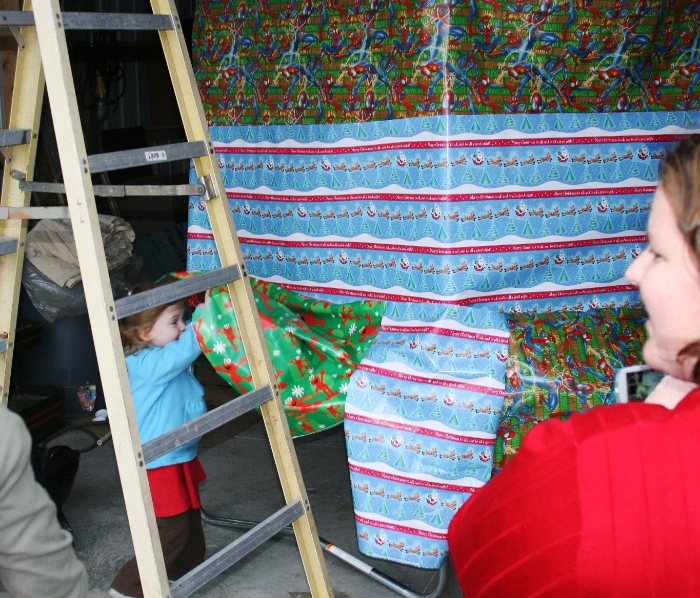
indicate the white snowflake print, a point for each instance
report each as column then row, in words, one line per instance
column 344, row 387
column 297, row 391
column 298, row 351
column 219, row 317
column 211, row 326
column 276, row 353
column 290, row 329
column 311, row 372
column 219, row 348
column 352, row 328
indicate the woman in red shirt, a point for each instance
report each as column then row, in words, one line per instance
column 607, row 503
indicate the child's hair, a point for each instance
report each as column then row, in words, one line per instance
column 130, row 326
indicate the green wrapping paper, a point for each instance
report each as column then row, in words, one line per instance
column 315, row 347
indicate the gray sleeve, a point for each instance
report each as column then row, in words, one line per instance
column 36, row 556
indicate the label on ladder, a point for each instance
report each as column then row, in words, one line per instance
column 156, row 156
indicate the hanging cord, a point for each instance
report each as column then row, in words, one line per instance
column 105, row 74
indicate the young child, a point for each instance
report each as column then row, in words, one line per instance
column 160, row 347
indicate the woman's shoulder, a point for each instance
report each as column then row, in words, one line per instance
column 606, row 418
column 606, row 495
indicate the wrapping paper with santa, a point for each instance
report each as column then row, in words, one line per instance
column 314, row 345
column 420, row 425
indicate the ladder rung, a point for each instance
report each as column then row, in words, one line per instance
column 93, row 20
column 147, row 156
column 228, row 556
column 176, row 290
column 205, row 423
column 52, row 212
column 8, row 245
column 118, row 190
column 14, row 137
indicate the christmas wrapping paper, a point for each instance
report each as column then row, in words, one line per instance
column 464, row 210
column 463, row 157
column 420, row 426
column 563, row 363
column 325, row 61
column 315, row 346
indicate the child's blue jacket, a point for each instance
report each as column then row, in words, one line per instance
column 166, row 394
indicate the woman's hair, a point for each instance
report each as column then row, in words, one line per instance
column 131, row 326
column 679, row 177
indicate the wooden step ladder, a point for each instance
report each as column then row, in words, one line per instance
column 40, row 32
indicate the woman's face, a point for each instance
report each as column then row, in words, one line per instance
column 669, row 281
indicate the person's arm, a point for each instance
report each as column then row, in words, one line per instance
column 36, row 555
column 159, row 365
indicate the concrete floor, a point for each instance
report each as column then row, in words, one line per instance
column 241, row 484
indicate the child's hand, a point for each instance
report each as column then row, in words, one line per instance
column 207, row 297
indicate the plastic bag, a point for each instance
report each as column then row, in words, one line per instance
column 53, row 301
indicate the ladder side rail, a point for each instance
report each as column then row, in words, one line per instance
column 199, row 426
column 168, row 293
column 52, row 212
column 8, row 245
column 146, row 156
column 116, row 190
column 14, row 136
column 92, row 20
column 25, row 113
column 219, row 213
column 236, row 550
column 98, row 295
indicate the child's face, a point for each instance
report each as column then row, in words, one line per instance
column 167, row 328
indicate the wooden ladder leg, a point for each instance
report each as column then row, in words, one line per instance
column 27, row 98
column 243, row 301
column 98, row 294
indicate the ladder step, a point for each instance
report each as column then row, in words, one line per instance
column 8, row 245
column 92, row 20
column 53, row 213
column 118, row 190
column 206, row 423
column 176, row 290
column 228, row 556
column 14, row 137
column 147, row 156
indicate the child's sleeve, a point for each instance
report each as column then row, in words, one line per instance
column 161, row 364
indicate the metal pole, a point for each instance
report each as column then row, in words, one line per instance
column 348, row 559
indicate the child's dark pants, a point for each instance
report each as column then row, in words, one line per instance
column 182, row 539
